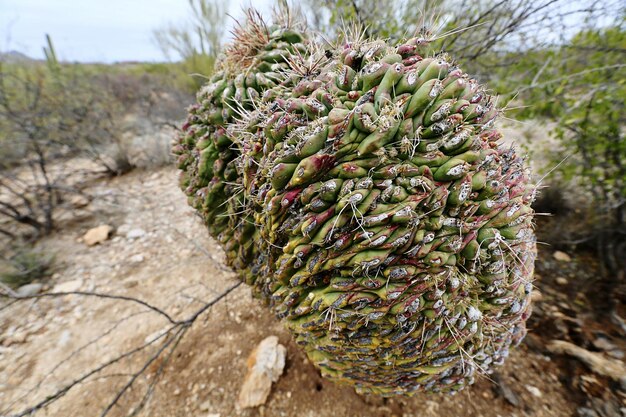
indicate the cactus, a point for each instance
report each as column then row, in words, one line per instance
column 206, row 155
column 387, row 226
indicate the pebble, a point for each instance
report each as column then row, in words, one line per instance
column 609, row 347
column 603, row 343
column 137, row 259
column 508, row 394
column 265, row 365
column 68, row 286
column 135, row 233
column 561, row 281
column 616, row 353
column 64, row 338
column 97, row 235
column 79, row 201
column 562, row 256
column 205, row 406
column 16, row 338
column 586, row 412
column 29, row 290
column 534, row 391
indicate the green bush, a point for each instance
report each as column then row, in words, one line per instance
column 52, row 111
column 24, row 267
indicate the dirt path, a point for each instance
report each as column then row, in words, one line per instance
column 161, row 253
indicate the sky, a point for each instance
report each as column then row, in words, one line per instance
column 95, row 30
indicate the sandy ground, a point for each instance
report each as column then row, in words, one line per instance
column 161, row 253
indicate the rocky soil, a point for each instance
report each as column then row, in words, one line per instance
column 157, row 250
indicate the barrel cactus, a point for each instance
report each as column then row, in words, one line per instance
column 251, row 64
column 373, row 207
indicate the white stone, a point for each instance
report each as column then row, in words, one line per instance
column 16, row 338
column 265, row 365
column 97, row 235
column 561, row 281
column 137, row 259
column 68, row 286
column 29, row 290
column 534, row 391
column 135, row 233
column 561, row 256
column 79, row 201
column 64, row 338
column 205, row 406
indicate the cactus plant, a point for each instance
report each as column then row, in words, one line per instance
column 206, row 156
column 387, row 225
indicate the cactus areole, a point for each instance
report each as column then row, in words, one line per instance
column 364, row 194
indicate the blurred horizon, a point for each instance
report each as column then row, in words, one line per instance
column 91, row 31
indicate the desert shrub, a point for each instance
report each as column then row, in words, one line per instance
column 581, row 87
column 51, row 112
column 195, row 42
column 25, row 266
column 44, row 115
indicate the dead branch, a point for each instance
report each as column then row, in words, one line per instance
column 167, row 342
column 73, row 354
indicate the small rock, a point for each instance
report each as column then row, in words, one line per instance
column 616, row 353
column 16, row 339
column 534, row 391
column 177, row 391
column 79, row 201
column 135, row 233
column 265, row 365
column 206, row 406
column 97, row 235
column 137, row 259
column 29, row 290
column 123, row 229
column 586, row 412
column 561, row 256
column 65, row 338
column 213, row 415
column 68, row 286
column 509, row 395
column 561, row 281
column 601, row 343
